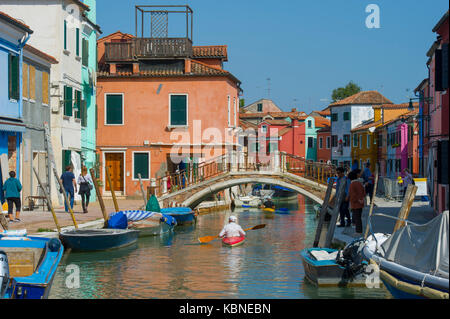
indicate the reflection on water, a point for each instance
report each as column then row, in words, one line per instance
column 176, row 266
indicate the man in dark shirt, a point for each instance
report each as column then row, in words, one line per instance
column 70, row 186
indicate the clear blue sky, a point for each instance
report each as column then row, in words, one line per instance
column 307, row 48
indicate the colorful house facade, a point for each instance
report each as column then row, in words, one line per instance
column 14, row 35
column 161, row 111
column 346, row 115
column 324, row 144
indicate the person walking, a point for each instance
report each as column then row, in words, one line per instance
column 344, row 212
column 12, row 189
column 368, row 181
column 70, row 186
column 407, row 179
column 356, row 197
column 232, row 229
column 86, row 184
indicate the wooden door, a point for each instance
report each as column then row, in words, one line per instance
column 115, row 163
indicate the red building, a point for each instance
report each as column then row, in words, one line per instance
column 437, row 134
column 324, row 144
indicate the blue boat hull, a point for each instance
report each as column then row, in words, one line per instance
column 100, row 239
column 37, row 285
column 183, row 215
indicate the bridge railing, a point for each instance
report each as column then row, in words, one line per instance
column 243, row 162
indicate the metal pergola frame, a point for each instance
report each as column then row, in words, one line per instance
column 144, row 9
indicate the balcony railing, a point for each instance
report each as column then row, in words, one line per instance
column 148, row 48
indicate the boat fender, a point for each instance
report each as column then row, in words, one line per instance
column 54, row 245
column 4, row 273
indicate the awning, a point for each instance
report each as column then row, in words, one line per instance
column 12, row 128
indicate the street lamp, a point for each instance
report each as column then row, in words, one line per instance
column 421, row 99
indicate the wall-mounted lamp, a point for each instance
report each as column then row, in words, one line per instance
column 423, row 99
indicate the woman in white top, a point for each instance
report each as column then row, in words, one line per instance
column 86, row 184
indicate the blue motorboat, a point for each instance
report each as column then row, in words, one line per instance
column 28, row 266
column 183, row 215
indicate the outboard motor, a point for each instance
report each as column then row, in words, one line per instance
column 4, row 273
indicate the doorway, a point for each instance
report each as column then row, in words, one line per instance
column 115, row 163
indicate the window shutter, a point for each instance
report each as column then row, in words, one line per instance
column 85, row 48
column 83, row 113
column 178, row 110
column 25, row 80
column 68, row 101
column 45, row 91
column 77, row 44
column 32, row 83
column 65, row 35
column 141, row 163
column 114, row 111
column 78, row 104
column 13, row 71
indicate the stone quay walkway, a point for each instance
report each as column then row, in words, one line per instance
column 36, row 220
column 421, row 213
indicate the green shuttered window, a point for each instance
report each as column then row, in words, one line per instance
column 114, row 109
column 178, row 110
column 66, row 159
column 78, row 104
column 68, row 101
column 346, row 116
column 13, row 77
column 85, row 48
column 77, row 44
column 141, row 163
column 65, row 35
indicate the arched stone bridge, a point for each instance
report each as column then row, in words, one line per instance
column 191, row 188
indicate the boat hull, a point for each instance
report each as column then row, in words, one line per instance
column 156, row 228
column 39, row 283
column 327, row 273
column 233, row 241
column 247, row 202
column 98, row 239
column 183, row 215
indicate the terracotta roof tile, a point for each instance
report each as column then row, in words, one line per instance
column 211, row 51
column 363, row 98
column 366, row 126
column 277, row 122
column 246, row 125
column 395, row 106
column 321, row 122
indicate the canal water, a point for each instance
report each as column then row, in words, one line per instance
column 176, row 266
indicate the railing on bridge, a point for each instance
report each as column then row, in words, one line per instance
column 278, row 162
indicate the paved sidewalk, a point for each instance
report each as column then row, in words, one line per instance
column 421, row 213
column 38, row 219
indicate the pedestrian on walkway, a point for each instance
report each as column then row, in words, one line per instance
column 344, row 212
column 12, row 189
column 86, row 184
column 368, row 181
column 407, row 180
column 356, row 196
column 70, row 186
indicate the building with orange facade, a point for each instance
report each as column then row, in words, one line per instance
column 163, row 104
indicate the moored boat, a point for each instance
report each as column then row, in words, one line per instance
column 325, row 267
column 413, row 261
column 233, row 241
column 247, row 201
column 98, row 239
column 149, row 223
column 28, row 265
column 183, row 215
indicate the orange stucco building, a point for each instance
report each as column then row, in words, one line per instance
column 152, row 106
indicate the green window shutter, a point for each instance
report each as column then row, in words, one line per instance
column 13, row 81
column 68, row 101
column 67, row 160
column 77, row 44
column 83, row 113
column 65, row 35
column 178, row 110
column 347, row 116
column 78, row 104
column 334, row 117
column 85, row 48
column 141, row 163
column 114, row 109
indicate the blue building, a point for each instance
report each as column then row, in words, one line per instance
column 14, row 34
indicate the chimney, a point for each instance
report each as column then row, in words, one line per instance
column 294, row 110
column 187, row 66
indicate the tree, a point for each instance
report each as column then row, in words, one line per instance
column 343, row 92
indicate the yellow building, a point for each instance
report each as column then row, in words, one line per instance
column 364, row 144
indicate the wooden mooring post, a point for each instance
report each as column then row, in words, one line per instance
column 111, row 186
column 406, row 206
column 335, row 213
column 99, row 196
column 48, row 200
column 372, row 202
column 323, row 212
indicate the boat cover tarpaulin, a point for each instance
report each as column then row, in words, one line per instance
column 153, row 205
column 423, row 248
column 138, row 215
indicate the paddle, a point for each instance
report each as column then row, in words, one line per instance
column 208, row 239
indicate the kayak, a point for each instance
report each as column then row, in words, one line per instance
column 233, row 241
column 269, row 210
